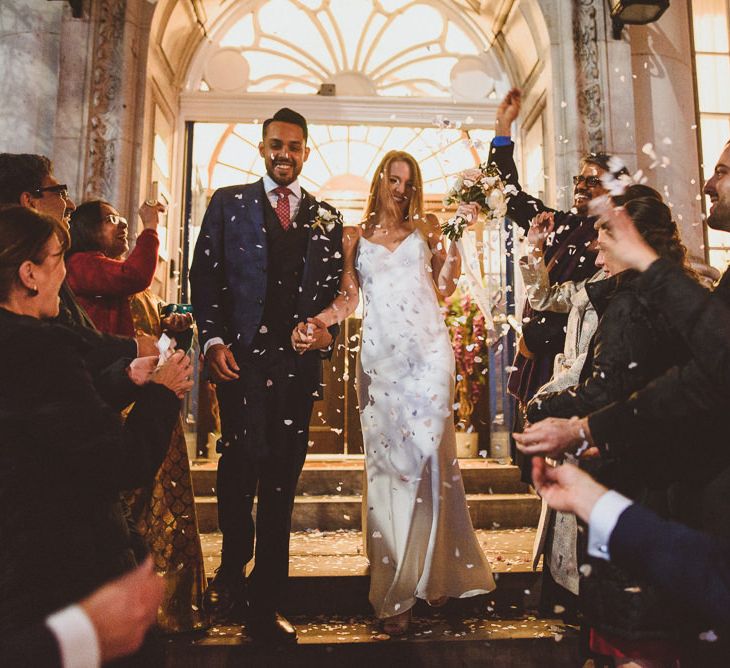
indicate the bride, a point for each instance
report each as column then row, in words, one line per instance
column 419, row 537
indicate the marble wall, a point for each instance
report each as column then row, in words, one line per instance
column 30, row 52
column 665, row 118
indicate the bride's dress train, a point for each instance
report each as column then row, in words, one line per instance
column 419, row 536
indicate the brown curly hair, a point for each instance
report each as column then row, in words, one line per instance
column 653, row 220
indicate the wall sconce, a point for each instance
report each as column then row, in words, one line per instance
column 635, row 12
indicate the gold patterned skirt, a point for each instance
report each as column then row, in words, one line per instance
column 165, row 516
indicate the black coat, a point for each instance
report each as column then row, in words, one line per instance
column 65, row 457
column 107, row 356
column 33, row 646
column 685, row 412
column 632, row 345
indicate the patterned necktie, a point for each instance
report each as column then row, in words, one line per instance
column 282, row 206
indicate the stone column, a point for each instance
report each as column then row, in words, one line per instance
column 29, row 64
column 116, row 85
column 591, row 93
column 69, row 148
column 665, row 116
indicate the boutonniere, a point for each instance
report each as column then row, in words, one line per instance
column 326, row 220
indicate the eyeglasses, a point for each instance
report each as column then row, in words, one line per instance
column 59, row 189
column 115, row 220
column 590, row 181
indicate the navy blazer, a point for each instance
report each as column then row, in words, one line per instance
column 228, row 274
column 689, row 565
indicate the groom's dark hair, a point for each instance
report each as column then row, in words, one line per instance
column 286, row 115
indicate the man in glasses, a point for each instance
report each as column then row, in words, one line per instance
column 568, row 253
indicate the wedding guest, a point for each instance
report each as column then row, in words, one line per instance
column 632, row 345
column 420, row 541
column 689, row 401
column 568, row 255
column 164, row 511
column 102, row 281
column 690, row 565
column 557, row 532
column 108, row 624
column 65, row 453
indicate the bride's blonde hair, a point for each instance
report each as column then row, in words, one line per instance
column 380, row 200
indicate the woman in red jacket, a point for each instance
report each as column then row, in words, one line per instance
column 102, row 282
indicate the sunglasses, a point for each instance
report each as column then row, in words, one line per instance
column 115, row 220
column 590, row 181
column 59, row 189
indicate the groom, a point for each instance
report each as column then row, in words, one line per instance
column 265, row 260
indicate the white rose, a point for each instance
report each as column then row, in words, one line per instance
column 495, row 201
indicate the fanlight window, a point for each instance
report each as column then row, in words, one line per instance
column 342, row 158
column 364, row 47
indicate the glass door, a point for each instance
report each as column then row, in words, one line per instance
column 341, row 163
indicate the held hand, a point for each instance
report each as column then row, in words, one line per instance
column 321, row 338
column 150, row 214
column 146, row 345
column 222, row 363
column 507, row 112
column 302, row 337
column 312, row 335
column 124, row 609
column 140, row 369
column 177, row 322
column 566, row 487
column 554, row 437
column 175, row 374
column 541, row 226
column 619, row 239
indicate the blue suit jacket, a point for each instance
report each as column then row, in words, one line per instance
column 228, row 274
column 688, row 564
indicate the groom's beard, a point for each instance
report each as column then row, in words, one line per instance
column 286, row 176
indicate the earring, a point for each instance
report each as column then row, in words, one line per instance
column 33, row 291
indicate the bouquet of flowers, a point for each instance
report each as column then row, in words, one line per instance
column 469, row 339
column 481, row 185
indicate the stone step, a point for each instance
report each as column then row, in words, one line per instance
column 329, row 642
column 329, row 571
column 345, row 476
column 332, row 512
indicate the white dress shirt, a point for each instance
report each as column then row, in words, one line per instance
column 295, row 199
column 76, row 638
column 602, row 522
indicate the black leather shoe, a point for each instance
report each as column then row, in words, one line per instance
column 225, row 597
column 271, row 628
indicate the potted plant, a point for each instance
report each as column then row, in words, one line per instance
column 468, row 336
